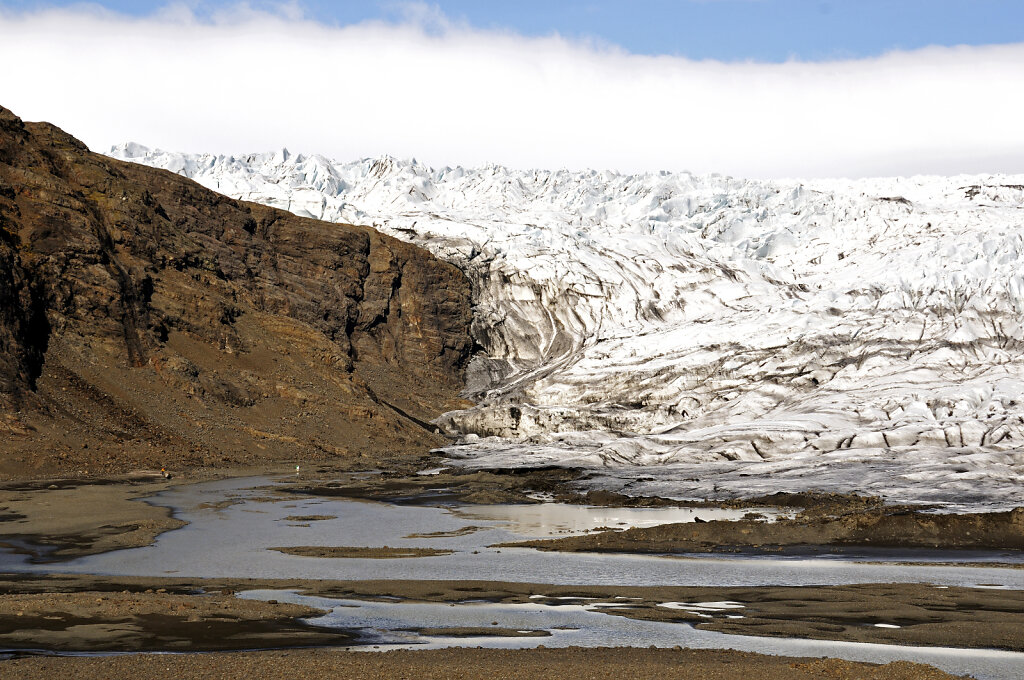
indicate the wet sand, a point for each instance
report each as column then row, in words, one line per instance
column 469, row 664
column 171, row 618
column 63, row 519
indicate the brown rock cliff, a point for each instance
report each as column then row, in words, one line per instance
column 147, row 321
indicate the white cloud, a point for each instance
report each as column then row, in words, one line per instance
column 246, row 80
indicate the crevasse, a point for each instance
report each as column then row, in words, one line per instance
column 704, row 335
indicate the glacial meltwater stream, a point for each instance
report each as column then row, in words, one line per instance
column 232, row 524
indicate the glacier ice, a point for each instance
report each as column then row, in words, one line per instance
column 704, row 335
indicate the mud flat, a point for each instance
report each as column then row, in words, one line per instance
column 105, row 613
column 63, row 519
column 126, row 617
column 243, row 539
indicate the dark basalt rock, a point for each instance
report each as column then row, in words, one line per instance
column 163, row 323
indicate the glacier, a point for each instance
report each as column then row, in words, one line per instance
column 707, row 336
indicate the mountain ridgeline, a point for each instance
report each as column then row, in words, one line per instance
column 146, row 321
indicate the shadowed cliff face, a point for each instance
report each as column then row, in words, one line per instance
column 147, row 321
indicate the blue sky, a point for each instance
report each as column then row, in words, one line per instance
column 729, row 30
column 755, row 88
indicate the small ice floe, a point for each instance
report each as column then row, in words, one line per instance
column 886, row 625
column 571, row 597
column 563, row 598
column 703, row 606
column 430, row 471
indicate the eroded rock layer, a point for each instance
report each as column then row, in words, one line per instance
column 148, row 321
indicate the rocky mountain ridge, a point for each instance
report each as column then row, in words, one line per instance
column 147, row 321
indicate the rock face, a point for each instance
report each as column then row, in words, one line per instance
column 148, row 321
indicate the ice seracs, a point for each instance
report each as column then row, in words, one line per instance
column 726, row 335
